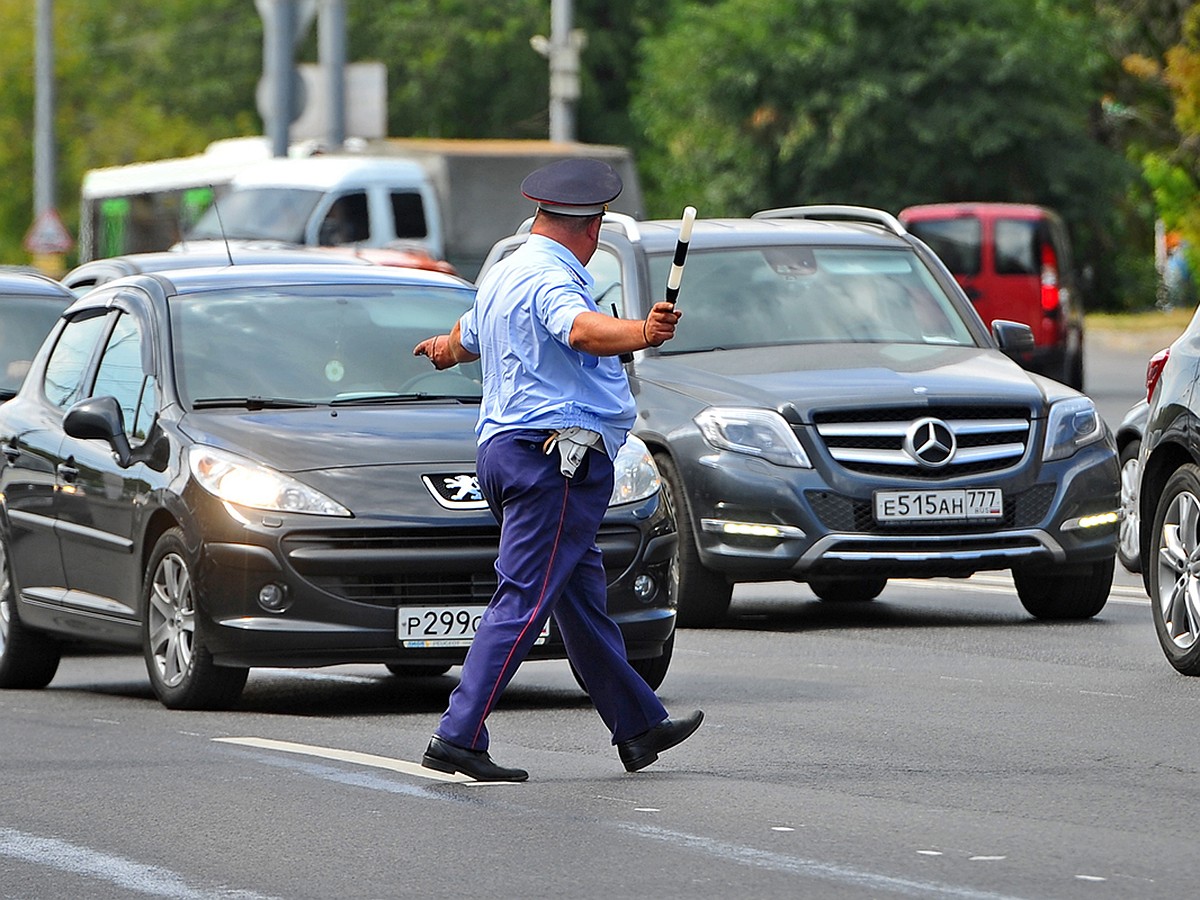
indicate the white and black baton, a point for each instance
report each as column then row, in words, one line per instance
column 681, row 249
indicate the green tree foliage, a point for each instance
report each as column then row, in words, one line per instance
column 876, row 101
column 135, row 80
column 457, row 68
column 753, row 103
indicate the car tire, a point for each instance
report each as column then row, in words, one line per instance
column 1173, row 581
column 28, row 659
column 1064, row 592
column 1128, row 530
column 847, row 590
column 181, row 668
column 417, row 671
column 702, row 596
column 653, row 670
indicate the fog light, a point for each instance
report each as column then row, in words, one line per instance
column 1096, row 521
column 273, row 597
column 644, row 587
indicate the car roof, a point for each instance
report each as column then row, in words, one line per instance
column 662, row 234
column 975, row 208
column 99, row 271
column 32, row 284
column 194, row 280
column 326, row 173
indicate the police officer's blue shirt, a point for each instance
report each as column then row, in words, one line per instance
column 520, row 326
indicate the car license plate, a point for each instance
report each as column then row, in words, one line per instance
column 928, row 506
column 444, row 626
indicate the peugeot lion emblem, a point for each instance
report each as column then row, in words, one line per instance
column 930, row 442
column 456, row 491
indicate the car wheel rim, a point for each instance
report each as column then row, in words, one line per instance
column 1179, row 570
column 172, row 620
column 1129, row 514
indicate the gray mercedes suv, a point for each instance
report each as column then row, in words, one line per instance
column 833, row 411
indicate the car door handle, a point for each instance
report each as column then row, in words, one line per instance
column 67, row 473
column 11, row 452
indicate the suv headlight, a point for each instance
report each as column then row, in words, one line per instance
column 635, row 477
column 1072, row 424
column 755, row 432
column 239, row 481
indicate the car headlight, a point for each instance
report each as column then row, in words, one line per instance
column 754, row 432
column 1072, row 424
column 635, row 477
column 239, row 481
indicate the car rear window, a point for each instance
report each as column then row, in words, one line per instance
column 956, row 241
column 1016, row 247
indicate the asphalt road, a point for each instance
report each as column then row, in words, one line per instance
column 936, row 742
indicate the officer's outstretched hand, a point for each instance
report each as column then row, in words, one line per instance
column 439, row 351
column 660, row 324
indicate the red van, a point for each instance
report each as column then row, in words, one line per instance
column 1014, row 261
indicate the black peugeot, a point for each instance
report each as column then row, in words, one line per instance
column 246, row 466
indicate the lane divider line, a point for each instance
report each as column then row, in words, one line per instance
column 353, row 756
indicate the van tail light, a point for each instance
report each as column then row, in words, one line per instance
column 1049, row 279
column 1154, row 370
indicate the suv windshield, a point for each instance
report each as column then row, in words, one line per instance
column 270, row 214
column 275, row 347
column 764, row 296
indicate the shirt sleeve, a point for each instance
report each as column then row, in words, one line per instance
column 557, row 306
column 468, row 333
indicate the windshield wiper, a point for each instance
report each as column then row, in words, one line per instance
column 252, row 403
column 382, row 399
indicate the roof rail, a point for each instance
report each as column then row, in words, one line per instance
column 836, row 213
column 625, row 222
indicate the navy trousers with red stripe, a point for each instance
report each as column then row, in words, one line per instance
column 548, row 564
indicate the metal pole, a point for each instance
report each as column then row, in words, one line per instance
column 562, row 113
column 44, row 176
column 280, row 72
column 331, row 47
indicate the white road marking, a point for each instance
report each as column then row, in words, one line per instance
column 124, row 873
column 809, row 868
column 353, row 756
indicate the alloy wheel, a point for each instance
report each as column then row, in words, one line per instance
column 1128, row 534
column 1179, row 570
column 172, row 620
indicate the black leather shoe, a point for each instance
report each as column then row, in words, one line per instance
column 447, row 757
column 637, row 753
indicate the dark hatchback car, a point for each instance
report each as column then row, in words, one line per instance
column 1169, row 498
column 246, row 466
column 832, row 410
column 30, row 304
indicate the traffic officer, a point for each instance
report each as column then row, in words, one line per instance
column 556, row 408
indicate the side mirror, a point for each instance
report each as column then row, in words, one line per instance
column 1012, row 337
column 100, row 419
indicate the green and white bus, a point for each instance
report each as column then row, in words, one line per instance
column 149, row 206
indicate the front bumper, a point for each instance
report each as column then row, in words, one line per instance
column 345, row 581
column 788, row 523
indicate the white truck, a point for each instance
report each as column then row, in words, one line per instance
column 450, row 198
